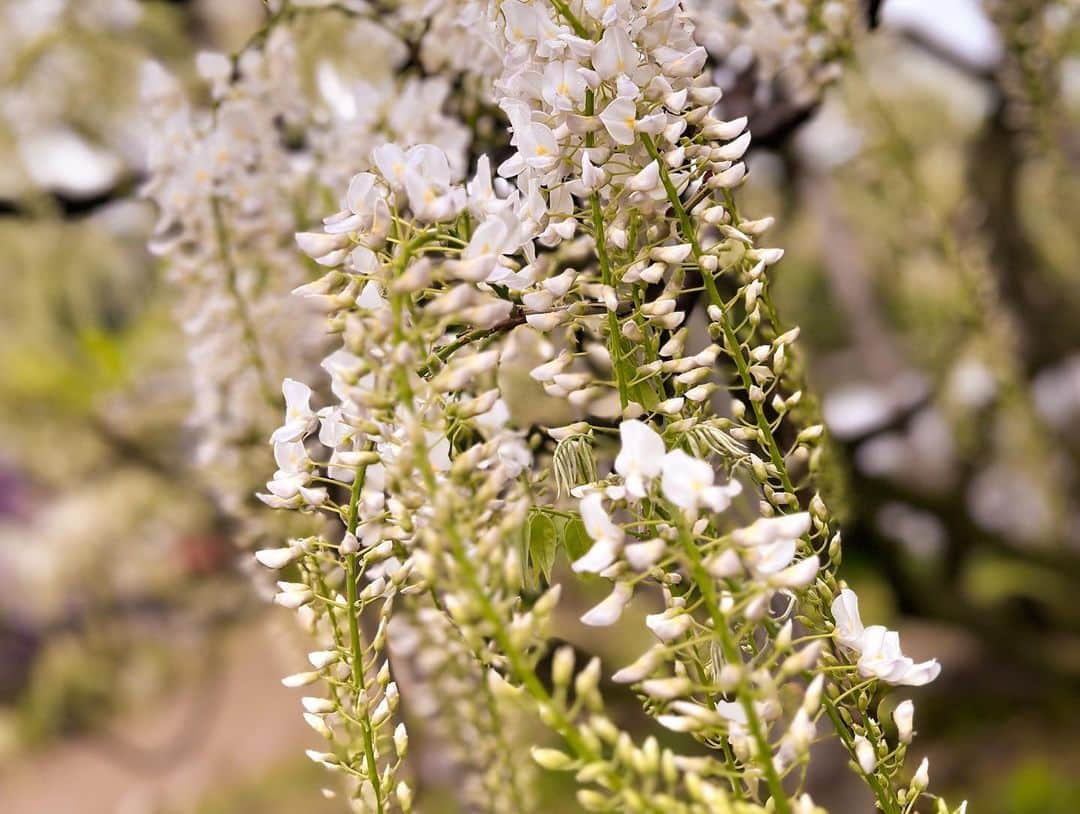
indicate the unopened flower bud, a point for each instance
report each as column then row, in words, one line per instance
column 903, row 717
column 922, row 776
column 551, row 759
column 562, row 666
column 864, row 754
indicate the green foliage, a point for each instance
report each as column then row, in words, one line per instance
column 573, row 463
column 1036, row 788
column 543, row 543
column 544, row 536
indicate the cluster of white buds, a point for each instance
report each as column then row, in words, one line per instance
column 418, row 463
column 787, row 51
column 223, row 182
column 472, row 719
column 233, row 182
column 53, row 141
column 620, row 216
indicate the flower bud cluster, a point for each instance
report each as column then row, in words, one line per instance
column 222, row 181
column 358, row 711
column 232, row 183
column 789, row 51
column 416, row 437
column 477, row 723
column 659, row 212
column 613, row 214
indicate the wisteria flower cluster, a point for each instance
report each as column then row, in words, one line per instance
column 234, row 180
column 685, row 477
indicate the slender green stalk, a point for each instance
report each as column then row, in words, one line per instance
column 765, row 431
column 884, row 797
column 730, row 338
column 518, row 663
column 469, row 338
column 221, row 234
column 615, row 345
column 570, row 17
column 706, row 586
column 355, row 644
column 616, row 348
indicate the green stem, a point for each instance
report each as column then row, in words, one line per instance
column 615, row 345
column 468, row 338
column 707, row 587
column 768, row 440
column 221, row 234
column 883, row 795
column 569, row 16
column 359, row 706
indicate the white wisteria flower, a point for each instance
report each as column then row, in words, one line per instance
column 608, row 611
column 689, row 483
column 299, row 418
column 443, row 503
column 904, row 718
column 640, row 457
column 877, row 647
column 606, row 536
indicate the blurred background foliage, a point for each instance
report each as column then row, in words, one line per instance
column 928, row 206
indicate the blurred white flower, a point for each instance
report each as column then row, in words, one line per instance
column 640, row 457
column 688, row 483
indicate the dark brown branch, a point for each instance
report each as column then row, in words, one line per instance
column 873, row 12
column 1044, row 308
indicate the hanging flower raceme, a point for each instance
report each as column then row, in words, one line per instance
column 612, row 217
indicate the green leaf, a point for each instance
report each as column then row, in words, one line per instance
column 543, row 543
column 519, row 539
column 576, row 540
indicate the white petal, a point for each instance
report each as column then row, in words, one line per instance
column 642, row 556
column 792, row 525
column 610, row 609
column 596, row 559
column 277, row 557
column 646, row 663
column 646, row 180
column 723, row 565
column 800, row 574
column 864, row 752
column 301, row 679
column 319, row 244
column 597, row 523
column 669, row 625
column 667, row 688
column 641, row 454
column 849, row 626
column 771, row 558
column 671, row 254
column 904, row 718
column 322, row 658
column 919, row 674
column 620, row 119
